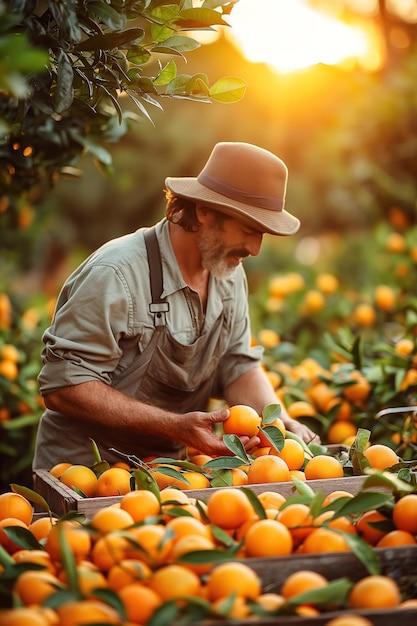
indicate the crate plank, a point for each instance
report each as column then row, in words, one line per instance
column 62, row 499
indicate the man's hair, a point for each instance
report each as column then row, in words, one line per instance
column 181, row 211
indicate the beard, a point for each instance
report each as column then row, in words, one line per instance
column 215, row 258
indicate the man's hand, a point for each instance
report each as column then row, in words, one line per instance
column 196, row 430
column 305, row 433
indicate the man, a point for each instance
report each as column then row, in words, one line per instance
column 155, row 323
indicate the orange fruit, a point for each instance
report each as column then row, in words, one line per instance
column 89, row 579
column 324, row 540
column 140, row 504
column 339, row 431
column 301, row 408
column 404, row 514
column 155, row 543
column 313, row 302
column 229, row 508
column 396, row 538
column 192, row 480
column 349, row 619
column 41, row 526
column 80, row 612
column 323, row 466
column 327, row 283
column 335, row 495
column 277, row 423
column 271, row 499
column 366, row 530
column 302, row 581
column 7, row 543
column 341, row 409
column 109, row 550
column 192, row 543
column 292, row 453
column 127, row 571
column 233, row 577
column 35, row 586
column 298, row 519
column 320, row 395
column 111, row 518
column 73, row 534
column 113, row 482
column 139, row 601
column 9, row 369
column 58, row 469
column 270, row 601
column 174, row 581
column 184, row 525
column 200, row 459
column 364, row 314
column 40, row 557
column 268, row 469
column 268, row 537
column 239, row 477
column 381, row 456
column 82, row 478
column 359, row 390
column 385, row 298
column 16, row 506
column 297, row 474
column 404, row 346
column 375, row 592
column 27, row 616
column 242, row 420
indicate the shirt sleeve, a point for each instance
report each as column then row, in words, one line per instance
column 82, row 344
column 240, row 356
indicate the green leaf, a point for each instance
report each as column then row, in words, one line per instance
column 380, row 478
column 167, row 74
column 274, row 436
column 181, row 43
column 110, row 41
column 333, row 594
column 221, row 478
column 223, row 462
column 236, row 447
column 68, row 561
column 22, row 537
column 167, row 613
column 364, row 552
column 144, row 480
column 31, row 495
column 198, row 557
column 270, row 413
column 228, row 89
column 107, row 14
column 255, row 502
column 199, row 18
column 110, row 597
column 5, row 558
column 356, row 452
column 362, row 502
column 96, row 451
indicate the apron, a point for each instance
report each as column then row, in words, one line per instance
column 181, row 377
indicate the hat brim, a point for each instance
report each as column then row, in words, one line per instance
column 270, row 221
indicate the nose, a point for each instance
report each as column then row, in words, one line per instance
column 254, row 244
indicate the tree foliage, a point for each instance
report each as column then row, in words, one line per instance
column 66, row 69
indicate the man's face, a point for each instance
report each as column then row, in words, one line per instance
column 223, row 244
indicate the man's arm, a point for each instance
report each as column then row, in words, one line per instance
column 254, row 389
column 100, row 405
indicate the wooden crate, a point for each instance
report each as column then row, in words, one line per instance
column 399, row 563
column 62, row 499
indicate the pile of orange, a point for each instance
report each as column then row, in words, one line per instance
column 142, row 550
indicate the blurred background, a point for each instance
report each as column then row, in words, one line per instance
column 331, row 90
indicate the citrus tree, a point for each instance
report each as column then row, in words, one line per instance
column 68, row 67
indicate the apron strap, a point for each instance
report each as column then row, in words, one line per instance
column 158, row 306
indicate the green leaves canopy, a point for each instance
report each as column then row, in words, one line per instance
column 65, row 67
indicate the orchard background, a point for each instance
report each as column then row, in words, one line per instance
column 335, row 306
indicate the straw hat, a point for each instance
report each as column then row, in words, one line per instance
column 244, row 181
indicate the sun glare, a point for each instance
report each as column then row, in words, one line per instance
column 289, row 35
